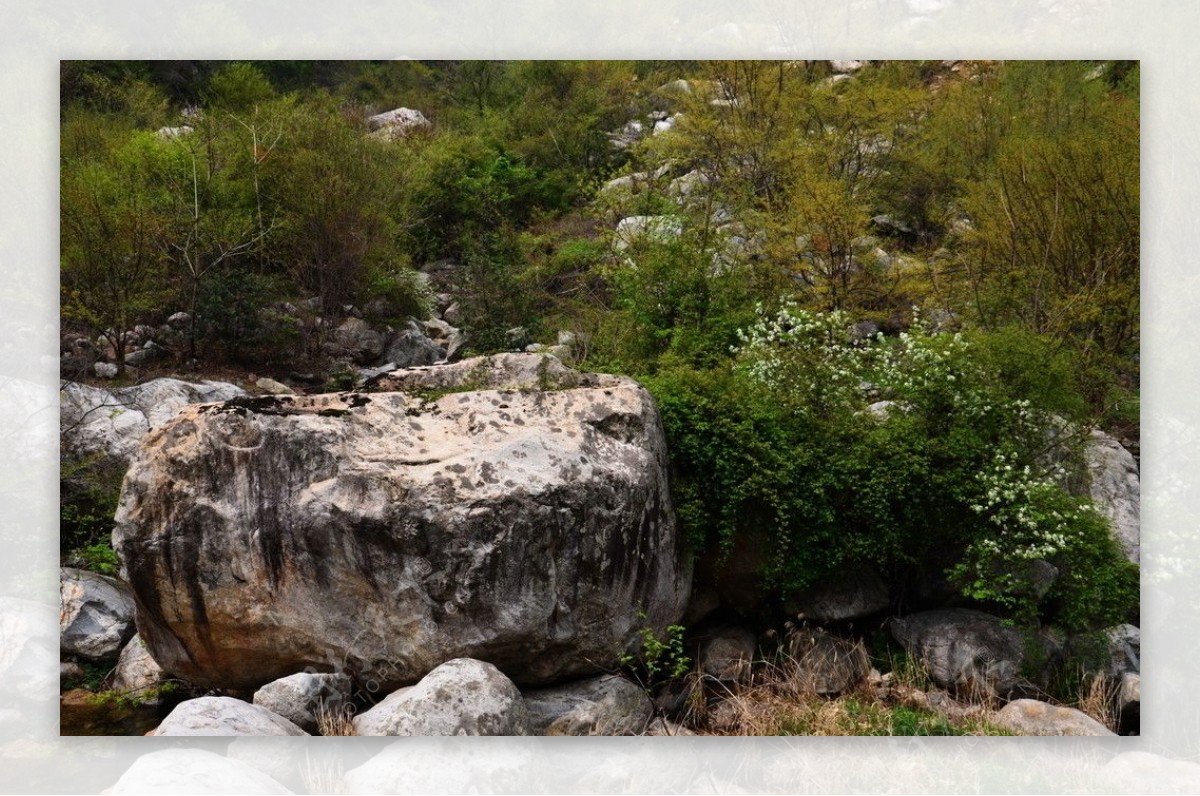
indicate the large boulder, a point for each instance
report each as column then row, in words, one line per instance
column 411, row 347
column 460, row 697
column 1033, row 717
column 964, row 650
column 726, row 654
column 301, row 698
column 95, row 616
column 606, row 705
column 853, row 592
column 357, row 340
column 111, row 422
column 824, row 664
column 525, row 522
column 224, row 716
column 1115, row 488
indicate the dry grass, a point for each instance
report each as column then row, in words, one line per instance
column 335, row 720
column 1099, row 700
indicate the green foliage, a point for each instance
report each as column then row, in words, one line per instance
column 89, row 489
column 949, row 475
column 657, row 658
column 237, row 87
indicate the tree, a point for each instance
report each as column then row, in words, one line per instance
column 113, row 263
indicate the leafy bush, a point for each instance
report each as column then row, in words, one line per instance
column 908, row 453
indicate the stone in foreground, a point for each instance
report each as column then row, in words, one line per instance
column 460, row 697
column 224, row 716
column 964, row 650
column 504, row 508
column 606, row 705
column 1033, row 717
column 301, row 698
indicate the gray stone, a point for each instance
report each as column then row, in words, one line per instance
column 606, row 705
column 224, row 716
column 301, row 698
column 193, row 771
column 1033, row 717
column 845, row 67
column 96, row 615
column 825, row 664
column 410, row 347
column 105, row 370
column 726, row 653
column 854, row 591
column 396, row 124
column 525, row 521
column 964, row 650
column 272, row 387
column 1115, row 488
column 460, row 697
column 453, row 313
column 137, row 672
column 657, row 229
column 356, row 339
column 181, row 320
column 70, row 673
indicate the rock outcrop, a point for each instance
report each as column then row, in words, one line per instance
column 1115, row 488
column 460, row 697
column 524, row 521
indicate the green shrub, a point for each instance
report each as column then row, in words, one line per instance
column 949, row 477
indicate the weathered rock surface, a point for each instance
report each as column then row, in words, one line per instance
column 657, row 229
column 851, row 593
column 301, row 697
column 605, row 705
column 1116, row 490
column 411, row 347
column 193, row 771
column 825, row 664
column 526, row 523
column 137, row 671
column 1033, row 717
column 356, row 339
column 460, row 697
column 111, row 422
column 95, row 616
column 964, row 650
column 224, row 716
column 397, row 123
column 726, row 653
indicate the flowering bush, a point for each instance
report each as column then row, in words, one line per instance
column 917, row 453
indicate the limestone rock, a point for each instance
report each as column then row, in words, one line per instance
column 726, row 654
column 224, row 716
column 1116, row 490
column 825, row 664
column 410, row 347
column 193, row 771
column 137, row 671
column 525, row 522
column 301, row 697
column 96, row 614
column 111, row 422
column 274, row 387
column 963, row 649
column 606, row 705
column 398, row 123
column 1033, row 717
column 460, row 697
column 658, row 229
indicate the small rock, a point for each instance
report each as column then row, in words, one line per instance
column 461, row 697
column 301, row 698
column 137, row 671
column 70, row 673
column 105, row 370
column 726, row 654
column 453, row 313
column 224, row 716
column 606, row 705
column 825, row 664
column 96, row 615
column 1033, row 717
column 274, row 387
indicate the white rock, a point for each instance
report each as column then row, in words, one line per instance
column 1033, row 717
column 1116, row 490
column 460, row 697
column 105, row 370
column 660, row 229
column 137, row 671
column 525, row 521
column 224, row 716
